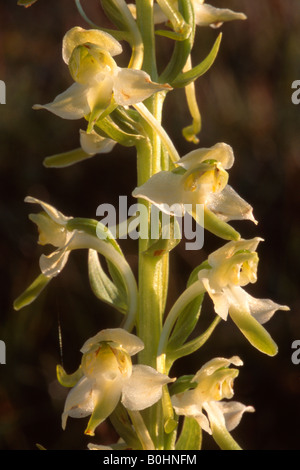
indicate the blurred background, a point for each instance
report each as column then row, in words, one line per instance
column 245, row 101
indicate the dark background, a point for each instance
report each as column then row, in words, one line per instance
column 245, row 101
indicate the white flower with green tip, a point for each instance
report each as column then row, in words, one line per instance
column 99, row 82
column 202, row 180
column 232, row 266
column 205, row 402
column 107, row 375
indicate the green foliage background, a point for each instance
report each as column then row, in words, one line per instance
column 245, row 101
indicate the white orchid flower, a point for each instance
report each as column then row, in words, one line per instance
column 68, row 234
column 107, row 375
column 201, row 179
column 232, row 266
column 204, row 402
column 99, row 82
column 205, row 15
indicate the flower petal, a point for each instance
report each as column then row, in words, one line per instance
column 129, row 342
column 164, row 190
column 263, row 309
column 70, row 104
column 77, row 36
column 230, row 248
column 81, row 400
column 133, row 86
column 143, row 388
column 233, row 412
column 219, row 298
column 215, row 364
column 54, row 263
column 55, row 215
column 94, row 143
column 207, row 15
column 221, row 152
column 228, row 205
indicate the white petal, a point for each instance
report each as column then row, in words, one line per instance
column 228, row 205
column 263, row 309
column 215, row 364
column 71, row 104
column 164, row 190
column 143, row 388
column 93, row 143
column 53, row 213
column 129, row 342
column 207, row 15
column 186, row 404
column 221, row 152
column 77, row 36
column 229, row 249
column 133, row 86
column 219, row 298
column 81, row 400
column 54, row 263
column 232, row 412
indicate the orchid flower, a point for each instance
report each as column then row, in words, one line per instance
column 99, row 82
column 67, row 234
column 106, row 375
column 200, row 179
column 230, row 267
column 205, row 15
column 205, row 402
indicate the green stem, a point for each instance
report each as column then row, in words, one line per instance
column 153, row 271
column 144, row 14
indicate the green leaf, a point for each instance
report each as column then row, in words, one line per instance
column 256, row 334
column 188, row 77
column 32, row 292
column 191, row 435
column 26, row 3
column 65, row 159
column 102, row 286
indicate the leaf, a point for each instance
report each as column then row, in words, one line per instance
column 191, row 435
column 32, row 292
column 26, row 3
column 188, row 77
column 102, row 286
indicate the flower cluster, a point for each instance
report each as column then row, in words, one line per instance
column 111, row 101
